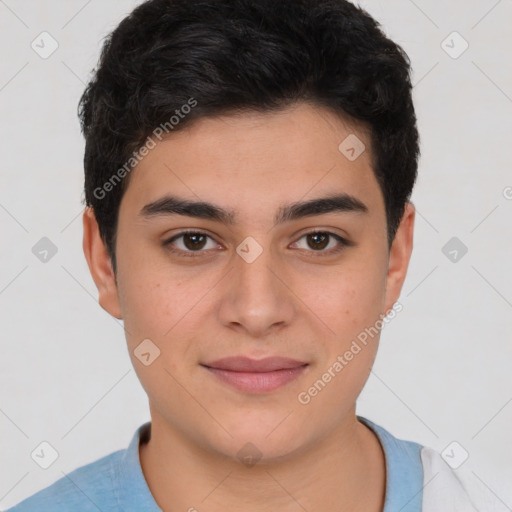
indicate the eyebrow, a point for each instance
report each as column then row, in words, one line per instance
column 172, row 205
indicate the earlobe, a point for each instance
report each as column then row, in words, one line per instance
column 399, row 256
column 100, row 265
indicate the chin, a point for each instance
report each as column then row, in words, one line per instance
column 260, row 451
column 253, row 444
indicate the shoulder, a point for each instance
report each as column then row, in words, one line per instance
column 453, row 490
column 419, row 479
column 87, row 488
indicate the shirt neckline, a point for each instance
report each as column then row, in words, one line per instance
column 404, row 473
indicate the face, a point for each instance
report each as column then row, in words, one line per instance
column 269, row 269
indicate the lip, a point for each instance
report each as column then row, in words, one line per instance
column 256, row 375
column 246, row 364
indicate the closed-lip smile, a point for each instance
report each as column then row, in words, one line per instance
column 256, row 375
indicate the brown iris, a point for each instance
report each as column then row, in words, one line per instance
column 318, row 240
column 194, row 241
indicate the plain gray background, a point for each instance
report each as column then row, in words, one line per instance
column 443, row 372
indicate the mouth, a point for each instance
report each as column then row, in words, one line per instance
column 256, row 375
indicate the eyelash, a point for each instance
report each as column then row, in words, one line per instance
column 342, row 244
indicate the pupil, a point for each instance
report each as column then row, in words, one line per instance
column 196, row 239
column 319, row 240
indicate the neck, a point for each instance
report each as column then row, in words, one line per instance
column 343, row 471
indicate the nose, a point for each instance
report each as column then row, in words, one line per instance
column 256, row 299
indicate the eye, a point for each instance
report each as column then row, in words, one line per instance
column 323, row 242
column 194, row 243
column 191, row 242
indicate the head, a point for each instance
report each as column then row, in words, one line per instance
column 253, row 125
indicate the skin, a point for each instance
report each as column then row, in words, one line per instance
column 291, row 301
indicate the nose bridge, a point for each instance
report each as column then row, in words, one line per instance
column 257, row 300
column 256, row 277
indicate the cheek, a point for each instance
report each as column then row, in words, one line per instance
column 154, row 306
column 350, row 305
column 147, row 289
column 162, row 312
column 348, row 298
column 165, row 305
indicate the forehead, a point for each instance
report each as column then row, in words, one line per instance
column 266, row 158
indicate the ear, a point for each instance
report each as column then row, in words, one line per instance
column 100, row 265
column 399, row 256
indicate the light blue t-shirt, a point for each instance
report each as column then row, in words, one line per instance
column 115, row 483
